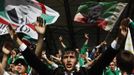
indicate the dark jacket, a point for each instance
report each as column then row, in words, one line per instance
column 96, row 69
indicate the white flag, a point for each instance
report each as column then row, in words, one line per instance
column 129, row 43
column 21, row 29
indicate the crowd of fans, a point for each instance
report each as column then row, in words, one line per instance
column 104, row 59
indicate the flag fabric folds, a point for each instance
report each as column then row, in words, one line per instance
column 25, row 12
column 129, row 43
column 102, row 14
column 26, row 29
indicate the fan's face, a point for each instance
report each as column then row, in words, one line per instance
column 69, row 60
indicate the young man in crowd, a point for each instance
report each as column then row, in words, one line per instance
column 70, row 56
column 21, row 66
column 17, row 67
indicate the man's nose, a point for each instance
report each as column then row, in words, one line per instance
column 68, row 59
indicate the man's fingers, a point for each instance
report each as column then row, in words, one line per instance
column 9, row 26
column 40, row 21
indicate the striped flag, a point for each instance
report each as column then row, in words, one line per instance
column 102, row 14
column 21, row 12
column 129, row 43
column 26, row 29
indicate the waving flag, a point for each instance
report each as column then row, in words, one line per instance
column 129, row 43
column 103, row 14
column 26, row 29
column 21, row 12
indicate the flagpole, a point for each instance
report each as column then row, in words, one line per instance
column 98, row 31
column 124, row 14
column 69, row 23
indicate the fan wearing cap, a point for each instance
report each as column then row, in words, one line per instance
column 21, row 66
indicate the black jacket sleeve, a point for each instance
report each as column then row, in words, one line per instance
column 36, row 63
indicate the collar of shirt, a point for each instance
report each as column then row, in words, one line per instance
column 68, row 74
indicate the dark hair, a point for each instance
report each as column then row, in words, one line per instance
column 125, row 61
column 69, row 49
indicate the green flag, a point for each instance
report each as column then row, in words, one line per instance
column 102, row 14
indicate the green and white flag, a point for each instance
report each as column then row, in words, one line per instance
column 22, row 12
column 26, row 29
column 102, row 14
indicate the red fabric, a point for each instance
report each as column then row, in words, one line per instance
column 80, row 18
column 42, row 6
column 26, row 42
column 3, row 21
column 102, row 23
column 31, row 26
